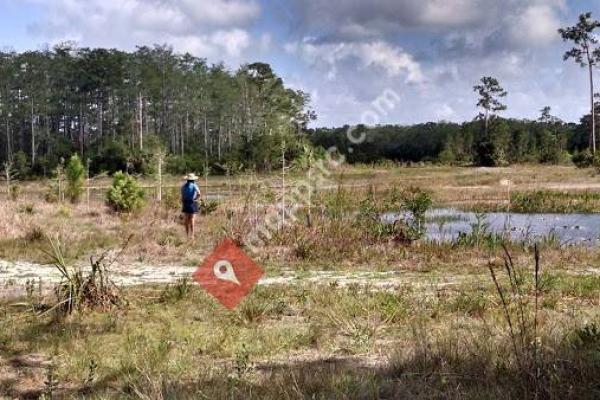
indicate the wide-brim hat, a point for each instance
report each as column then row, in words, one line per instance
column 191, row 177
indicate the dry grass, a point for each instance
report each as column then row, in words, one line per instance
column 286, row 342
column 158, row 236
column 460, row 186
column 305, row 341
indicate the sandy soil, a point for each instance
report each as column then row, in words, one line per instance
column 15, row 276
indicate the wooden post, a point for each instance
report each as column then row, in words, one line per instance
column 507, row 183
column 160, row 162
column 32, row 134
column 87, row 183
column 61, row 196
column 310, row 188
column 206, row 181
column 141, row 118
column 282, row 184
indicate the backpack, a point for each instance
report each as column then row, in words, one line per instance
column 188, row 192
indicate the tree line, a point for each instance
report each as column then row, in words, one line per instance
column 119, row 110
column 508, row 141
column 489, row 139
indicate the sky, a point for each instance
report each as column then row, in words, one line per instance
column 375, row 61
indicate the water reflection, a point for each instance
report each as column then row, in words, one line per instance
column 446, row 224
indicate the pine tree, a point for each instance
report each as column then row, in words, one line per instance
column 75, row 173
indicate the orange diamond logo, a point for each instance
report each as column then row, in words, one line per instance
column 228, row 274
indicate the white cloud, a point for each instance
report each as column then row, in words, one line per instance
column 394, row 15
column 390, row 58
column 393, row 60
column 451, row 12
column 219, row 12
column 445, row 112
column 536, row 25
column 154, row 14
column 231, row 43
column 505, row 23
column 207, row 28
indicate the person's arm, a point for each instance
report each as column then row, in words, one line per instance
column 197, row 192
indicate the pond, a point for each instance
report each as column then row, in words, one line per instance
column 446, row 224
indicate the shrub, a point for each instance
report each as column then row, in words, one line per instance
column 28, row 208
column 15, row 192
column 208, row 206
column 75, row 173
column 56, row 190
column 416, row 202
column 176, row 292
column 125, row 195
column 179, row 165
column 410, row 205
column 171, row 198
column 110, row 156
column 82, row 291
column 21, row 164
column 584, row 159
column 34, row 234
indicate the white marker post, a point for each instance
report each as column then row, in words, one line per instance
column 507, row 183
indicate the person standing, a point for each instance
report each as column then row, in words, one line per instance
column 190, row 193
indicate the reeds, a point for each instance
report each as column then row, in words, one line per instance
column 521, row 318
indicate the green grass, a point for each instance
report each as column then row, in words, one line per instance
column 178, row 343
column 33, row 246
column 442, row 333
column 544, row 201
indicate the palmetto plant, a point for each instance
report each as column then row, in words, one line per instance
column 79, row 291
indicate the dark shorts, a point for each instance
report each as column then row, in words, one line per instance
column 190, row 207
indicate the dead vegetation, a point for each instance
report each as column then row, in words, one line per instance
column 90, row 228
column 81, row 291
column 522, row 331
column 319, row 342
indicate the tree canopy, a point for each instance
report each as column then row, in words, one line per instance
column 514, row 141
column 585, row 53
column 117, row 108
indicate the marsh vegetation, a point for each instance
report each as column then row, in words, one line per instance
column 355, row 307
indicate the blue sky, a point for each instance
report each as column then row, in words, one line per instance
column 425, row 55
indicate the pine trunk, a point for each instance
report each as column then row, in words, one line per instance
column 32, row 134
column 593, row 113
column 141, row 121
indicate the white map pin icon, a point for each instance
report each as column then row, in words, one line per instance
column 223, row 270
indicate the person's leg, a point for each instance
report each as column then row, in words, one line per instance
column 187, row 224
column 192, row 223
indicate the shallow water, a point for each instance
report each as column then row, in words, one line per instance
column 446, row 224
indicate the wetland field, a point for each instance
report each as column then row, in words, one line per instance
column 391, row 282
